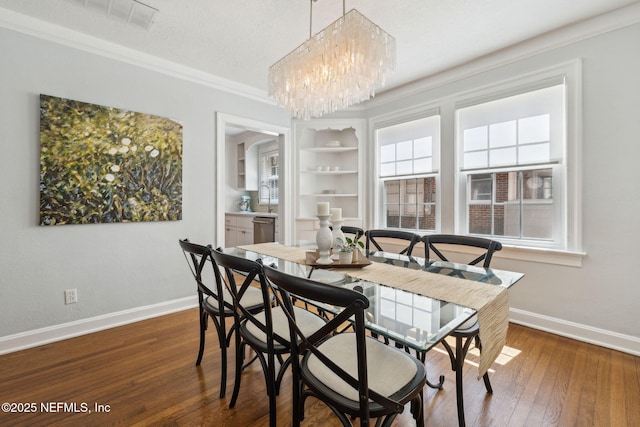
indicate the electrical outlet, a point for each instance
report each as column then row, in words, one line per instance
column 71, row 296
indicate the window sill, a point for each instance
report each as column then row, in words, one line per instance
column 526, row 253
column 542, row 255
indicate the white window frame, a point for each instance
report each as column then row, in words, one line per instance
column 449, row 198
column 266, row 150
column 566, row 173
column 377, row 216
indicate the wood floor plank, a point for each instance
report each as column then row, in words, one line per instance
column 145, row 374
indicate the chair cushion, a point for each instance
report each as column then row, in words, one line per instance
column 389, row 369
column 306, row 321
column 469, row 323
column 251, row 298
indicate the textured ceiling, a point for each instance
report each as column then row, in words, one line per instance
column 239, row 39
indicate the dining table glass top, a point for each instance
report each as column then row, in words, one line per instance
column 412, row 320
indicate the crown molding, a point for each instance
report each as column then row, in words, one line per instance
column 554, row 39
column 55, row 33
column 582, row 30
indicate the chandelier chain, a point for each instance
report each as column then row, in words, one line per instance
column 311, row 2
column 341, row 65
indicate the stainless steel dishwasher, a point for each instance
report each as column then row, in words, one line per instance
column 264, row 229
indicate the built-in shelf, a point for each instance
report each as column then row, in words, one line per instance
column 240, row 155
column 323, row 145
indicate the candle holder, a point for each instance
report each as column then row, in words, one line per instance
column 337, row 234
column 324, row 240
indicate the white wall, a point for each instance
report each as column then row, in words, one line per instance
column 120, row 267
column 115, row 267
column 599, row 301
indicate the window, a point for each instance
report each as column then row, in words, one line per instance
column 268, row 165
column 407, row 173
column 511, row 156
column 512, row 204
column 501, row 161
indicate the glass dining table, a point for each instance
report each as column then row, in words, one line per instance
column 412, row 320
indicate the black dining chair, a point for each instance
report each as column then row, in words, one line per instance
column 214, row 301
column 355, row 375
column 353, row 232
column 391, row 239
column 266, row 332
column 469, row 331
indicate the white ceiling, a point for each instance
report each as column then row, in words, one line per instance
column 239, row 39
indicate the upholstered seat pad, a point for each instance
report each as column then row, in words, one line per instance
column 251, row 298
column 305, row 320
column 469, row 323
column 389, row 369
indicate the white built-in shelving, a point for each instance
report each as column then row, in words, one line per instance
column 328, row 167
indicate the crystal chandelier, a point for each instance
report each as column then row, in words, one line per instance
column 339, row 66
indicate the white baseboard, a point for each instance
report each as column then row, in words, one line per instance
column 613, row 340
column 625, row 343
column 24, row 340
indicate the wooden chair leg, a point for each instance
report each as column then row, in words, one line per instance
column 270, row 377
column 203, row 329
column 239, row 361
column 459, row 364
column 223, row 378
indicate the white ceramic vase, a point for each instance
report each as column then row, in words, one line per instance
column 345, row 257
column 324, row 240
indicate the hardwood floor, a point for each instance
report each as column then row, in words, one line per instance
column 145, row 374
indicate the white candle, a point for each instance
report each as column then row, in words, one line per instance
column 323, row 208
column 336, row 214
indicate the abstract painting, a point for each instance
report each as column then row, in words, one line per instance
column 102, row 165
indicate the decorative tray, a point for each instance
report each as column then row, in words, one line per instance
column 361, row 261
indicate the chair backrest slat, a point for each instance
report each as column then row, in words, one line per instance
column 372, row 235
column 198, row 258
column 490, row 246
column 252, row 273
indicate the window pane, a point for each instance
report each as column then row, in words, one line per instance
column 507, row 219
column 534, row 129
column 537, row 220
column 422, row 165
column 268, row 170
column 388, row 153
column 475, row 160
column 404, row 168
column 429, row 189
column 480, row 187
column 405, row 150
column 502, row 134
column 387, row 169
column 408, row 219
column 423, row 147
column 475, row 138
column 480, row 219
column 507, row 187
column 536, row 153
column 502, row 156
column 537, row 184
column 392, row 199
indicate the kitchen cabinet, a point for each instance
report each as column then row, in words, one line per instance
column 241, row 166
column 238, row 230
column 329, row 169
